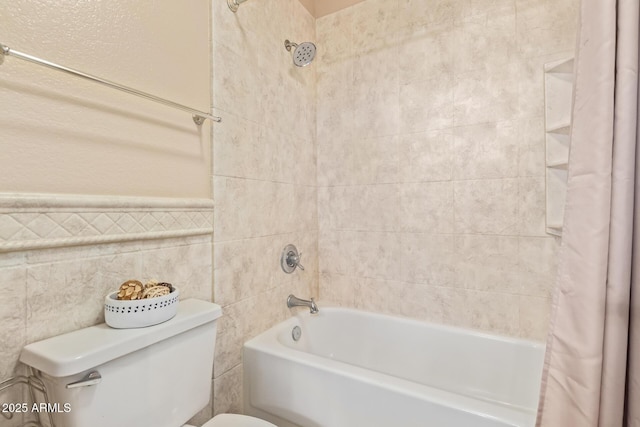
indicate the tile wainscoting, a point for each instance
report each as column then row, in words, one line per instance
column 61, row 254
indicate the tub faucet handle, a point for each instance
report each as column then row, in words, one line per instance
column 296, row 261
column 290, row 259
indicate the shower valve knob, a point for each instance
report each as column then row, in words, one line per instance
column 290, row 259
column 295, row 260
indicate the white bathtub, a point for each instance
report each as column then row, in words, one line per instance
column 356, row 369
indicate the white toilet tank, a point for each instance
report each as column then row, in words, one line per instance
column 157, row 376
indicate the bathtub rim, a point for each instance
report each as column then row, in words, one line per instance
column 268, row 342
column 302, row 312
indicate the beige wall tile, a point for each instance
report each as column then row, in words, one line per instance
column 359, row 254
column 531, row 207
column 538, row 264
column 375, row 93
column 531, row 84
column 531, row 146
column 66, row 289
column 13, row 259
column 235, row 84
column 488, row 95
column 304, row 215
column 451, row 305
column 244, row 319
column 240, row 149
column 374, row 25
column 486, row 206
column 376, row 295
column 335, row 207
column 377, row 160
column 488, row 7
column 493, row 311
column 265, row 171
column 487, row 150
column 535, row 314
column 13, row 286
column 335, row 118
column 245, row 268
column 485, row 39
column 188, row 267
column 57, row 297
column 337, row 252
column 230, row 337
column 376, row 207
column 469, row 156
column 359, row 161
column 426, row 156
column 339, row 289
column 305, row 282
column 433, row 13
column 335, row 32
column 487, row 263
column 337, row 162
column 227, row 392
column 335, row 81
column 416, row 115
column 425, row 53
column 375, row 253
column 427, row 259
column 251, row 208
column 268, row 309
column 546, row 26
column 427, row 207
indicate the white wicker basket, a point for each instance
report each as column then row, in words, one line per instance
column 125, row 314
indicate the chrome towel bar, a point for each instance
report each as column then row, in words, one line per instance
column 198, row 116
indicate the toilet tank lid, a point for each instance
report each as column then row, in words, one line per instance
column 80, row 350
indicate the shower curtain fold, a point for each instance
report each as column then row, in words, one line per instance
column 592, row 364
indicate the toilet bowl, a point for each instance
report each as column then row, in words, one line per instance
column 233, row 420
column 156, row 376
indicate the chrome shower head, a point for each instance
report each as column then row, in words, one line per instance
column 303, row 53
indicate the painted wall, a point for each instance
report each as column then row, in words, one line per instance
column 264, row 176
column 431, row 159
column 61, row 134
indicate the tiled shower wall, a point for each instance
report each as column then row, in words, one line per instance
column 431, row 159
column 264, row 176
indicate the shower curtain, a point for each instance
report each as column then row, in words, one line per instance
column 592, row 365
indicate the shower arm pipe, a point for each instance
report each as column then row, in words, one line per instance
column 288, row 45
column 198, row 116
column 234, row 4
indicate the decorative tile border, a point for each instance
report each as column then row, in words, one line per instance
column 35, row 221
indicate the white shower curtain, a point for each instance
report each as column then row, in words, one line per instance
column 592, row 366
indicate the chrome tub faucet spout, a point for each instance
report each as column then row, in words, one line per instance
column 292, row 301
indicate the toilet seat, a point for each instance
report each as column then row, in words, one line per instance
column 234, row 420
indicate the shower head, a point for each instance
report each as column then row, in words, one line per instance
column 303, row 53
